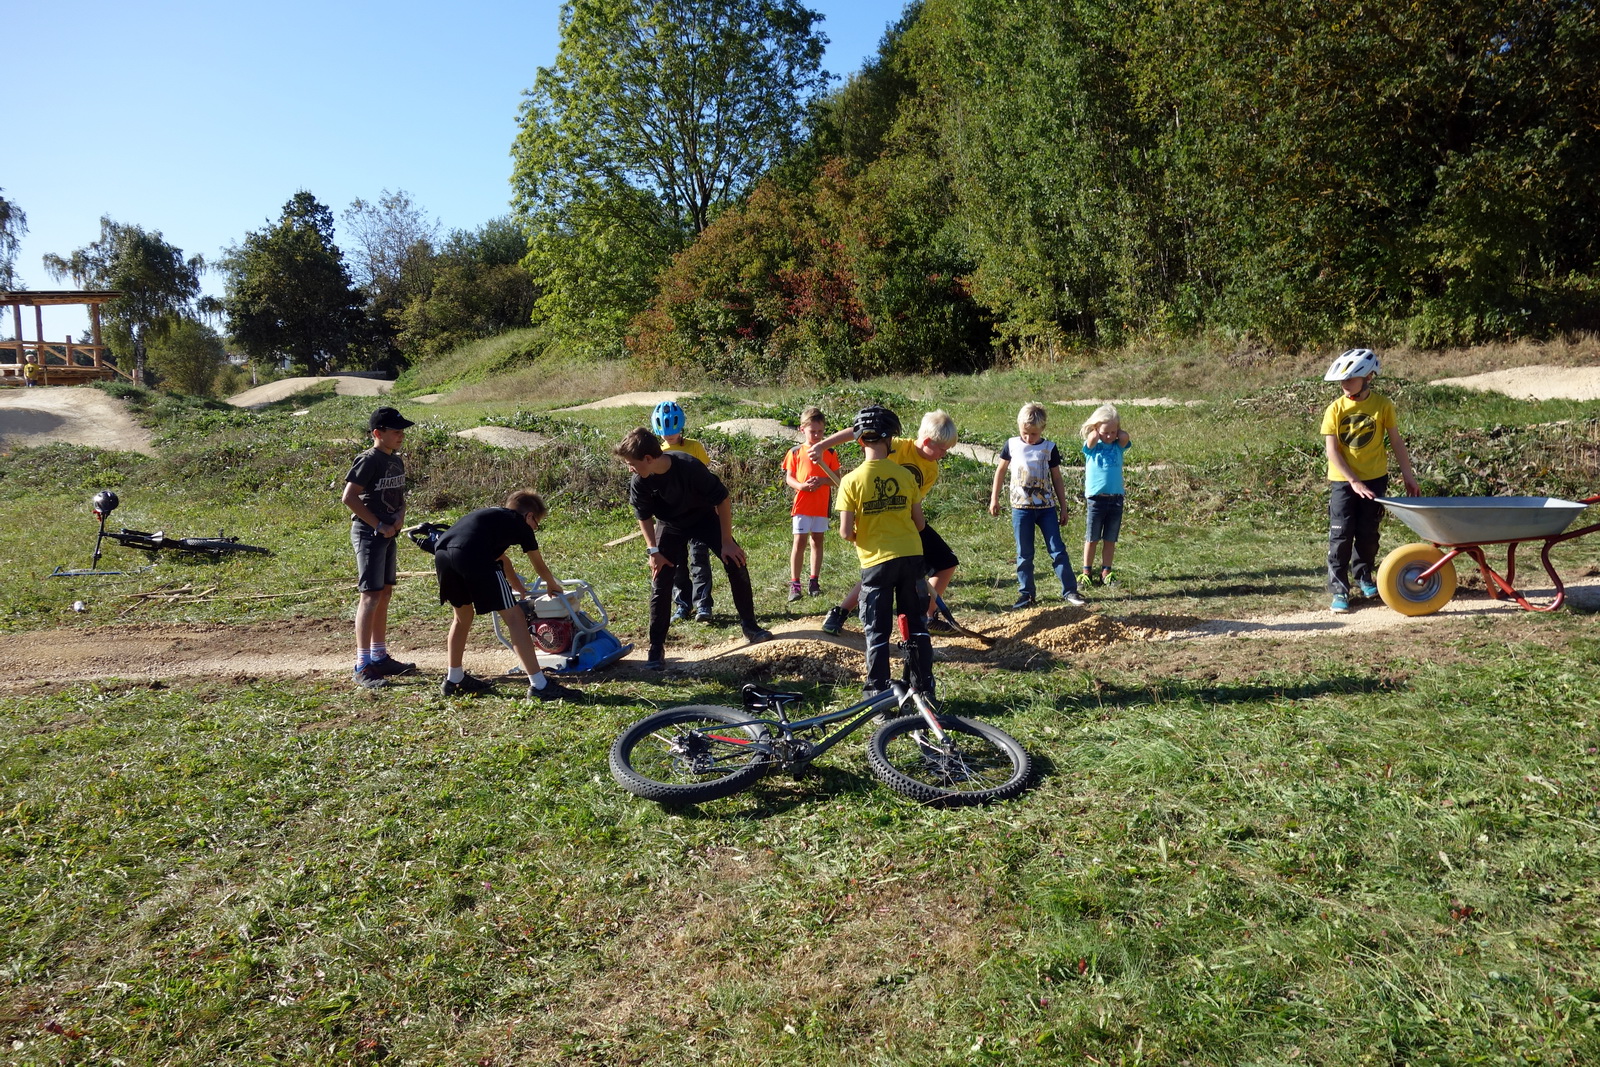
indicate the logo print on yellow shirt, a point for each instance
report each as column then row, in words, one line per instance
column 1357, row 429
column 889, row 498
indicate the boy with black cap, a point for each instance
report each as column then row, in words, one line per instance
column 375, row 493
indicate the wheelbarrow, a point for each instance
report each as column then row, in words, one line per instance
column 1421, row 579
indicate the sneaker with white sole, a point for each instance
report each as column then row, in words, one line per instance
column 1369, row 590
column 1341, row 605
column 1074, row 598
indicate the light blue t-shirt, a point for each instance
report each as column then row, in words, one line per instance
column 1102, row 469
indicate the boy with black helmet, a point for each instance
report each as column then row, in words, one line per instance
column 920, row 457
column 691, row 585
column 676, row 500
column 375, row 493
column 1353, row 431
column 880, row 511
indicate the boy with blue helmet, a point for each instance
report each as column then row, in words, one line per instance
column 691, row 585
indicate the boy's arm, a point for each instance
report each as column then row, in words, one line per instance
column 1341, row 466
column 511, row 575
column 916, row 515
column 536, row 558
column 352, row 500
column 994, row 490
column 816, row 450
column 1122, row 438
column 1061, row 490
column 1403, row 457
column 847, row 525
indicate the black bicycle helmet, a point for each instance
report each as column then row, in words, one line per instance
column 876, row 423
column 105, row 502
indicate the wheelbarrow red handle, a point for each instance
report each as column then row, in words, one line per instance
column 1591, row 499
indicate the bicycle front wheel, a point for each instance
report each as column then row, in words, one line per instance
column 690, row 754
column 217, row 546
column 975, row 764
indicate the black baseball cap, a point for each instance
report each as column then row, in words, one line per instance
column 388, row 419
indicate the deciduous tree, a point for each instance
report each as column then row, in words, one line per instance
column 188, row 356
column 289, row 294
column 13, row 224
column 158, row 285
column 656, row 115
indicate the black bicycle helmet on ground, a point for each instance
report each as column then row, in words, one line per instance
column 876, row 423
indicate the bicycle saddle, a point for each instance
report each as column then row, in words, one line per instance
column 759, row 699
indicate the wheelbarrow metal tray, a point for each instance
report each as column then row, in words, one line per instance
column 1466, row 520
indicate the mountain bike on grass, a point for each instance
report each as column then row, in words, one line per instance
column 700, row 752
column 157, row 540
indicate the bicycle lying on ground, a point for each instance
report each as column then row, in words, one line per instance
column 152, row 542
column 700, row 752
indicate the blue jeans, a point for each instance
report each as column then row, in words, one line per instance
column 1023, row 521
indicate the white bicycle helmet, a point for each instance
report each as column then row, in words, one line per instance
column 1356, row 363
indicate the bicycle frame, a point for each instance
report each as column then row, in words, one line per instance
column 784, row 746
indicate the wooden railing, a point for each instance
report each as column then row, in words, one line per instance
column 62, row 361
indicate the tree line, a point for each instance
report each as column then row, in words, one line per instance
column 1055, row 176
column 292, row 297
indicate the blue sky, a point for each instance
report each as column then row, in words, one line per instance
column 200, row 119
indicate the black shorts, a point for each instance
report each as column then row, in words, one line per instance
column 377, row 561
column 484, row 586
column 936, row 554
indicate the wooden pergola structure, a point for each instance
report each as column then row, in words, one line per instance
column 65, row 362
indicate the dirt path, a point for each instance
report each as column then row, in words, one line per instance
column 345, row 385
column 320, row 648
column 71, row 415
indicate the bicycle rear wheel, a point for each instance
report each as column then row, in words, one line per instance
column 975, row 764
column 690, row 754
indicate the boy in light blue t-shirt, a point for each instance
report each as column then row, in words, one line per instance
column 1104, row 442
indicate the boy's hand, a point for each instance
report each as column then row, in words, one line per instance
column 732, row 553
column 657, row 563
column 1361, row 489
column 1412, row 488
column 994, row 507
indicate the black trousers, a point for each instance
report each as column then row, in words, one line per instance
column 1353, row 535
column 898, row 587
column 673, row 541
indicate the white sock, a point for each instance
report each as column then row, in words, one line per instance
column 455, row 674
column 379, row 650
column 538, row 681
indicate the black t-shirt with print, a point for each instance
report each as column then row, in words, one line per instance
column 382, row 478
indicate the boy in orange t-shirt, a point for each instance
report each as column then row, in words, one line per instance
column 811, row 482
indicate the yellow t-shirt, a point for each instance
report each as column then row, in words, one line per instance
column 880, row 493
column 689, row 445
column 903, row 450
column 1360, row 426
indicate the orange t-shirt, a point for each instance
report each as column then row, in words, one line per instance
column 798, row 465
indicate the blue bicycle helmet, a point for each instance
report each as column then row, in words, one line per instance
column 667, row 419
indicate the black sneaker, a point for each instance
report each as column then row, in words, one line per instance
column 834, row 621
column 656, row 660
column 754, row 634
column 816, row 586
column 367, row 678
column 554, row 691
column 388, row 667
column 1023, row 601
column 703, row 615
column 468, row 686
column 937, row 627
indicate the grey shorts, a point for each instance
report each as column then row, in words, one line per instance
column 1102, row 518
column 377, row 558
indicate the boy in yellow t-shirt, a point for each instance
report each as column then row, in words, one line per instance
column 691, row 585
column 880, row 510
column 1353, row 431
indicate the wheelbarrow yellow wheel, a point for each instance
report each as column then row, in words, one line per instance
column 1402, row 588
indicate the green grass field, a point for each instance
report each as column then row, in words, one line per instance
column 1376, row 848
